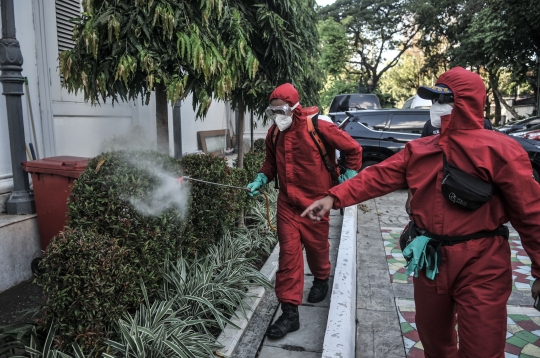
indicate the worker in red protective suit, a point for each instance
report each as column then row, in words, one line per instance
column 474, row 278
column 303, row 177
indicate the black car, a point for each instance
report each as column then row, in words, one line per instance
column 532, row 147
column 383, row 133
column 352, row 102
column 523, row 124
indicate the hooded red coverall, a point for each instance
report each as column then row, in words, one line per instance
column 302, row 179
column 475, row 278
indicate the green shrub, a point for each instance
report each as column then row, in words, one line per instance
column 94, row 270
column 90, row 280
column 259, row 145
column 213, row 208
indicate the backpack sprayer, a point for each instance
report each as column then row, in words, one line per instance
column 182, row 178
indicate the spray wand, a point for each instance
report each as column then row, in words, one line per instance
column 182, row 178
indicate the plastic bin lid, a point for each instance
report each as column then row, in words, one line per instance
column 62, row 165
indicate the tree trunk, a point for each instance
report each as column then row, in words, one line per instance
column 508, row 108
column 177, row 130
column 240, row 134
column 251, row 126
column 488, row 108
column 240, row 142
column 162, row 119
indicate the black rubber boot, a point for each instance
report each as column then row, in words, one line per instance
column 289, row 321
column 318, row 290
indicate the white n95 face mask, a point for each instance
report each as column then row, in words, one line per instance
column 284, row 121
column 438, row 110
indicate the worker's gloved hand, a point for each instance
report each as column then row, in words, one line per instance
column 349, row 173
column 258, row 183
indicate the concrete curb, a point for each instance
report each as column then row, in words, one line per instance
column 340, row 335
column 230, row 336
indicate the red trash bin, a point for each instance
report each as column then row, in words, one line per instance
column 52, row 179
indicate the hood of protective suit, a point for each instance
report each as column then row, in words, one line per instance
column 469, row 98
column 286, row 92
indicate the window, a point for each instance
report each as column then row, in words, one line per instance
column 65, row 11
column 354, row 102
column 376, row 122
column 409, row 123
column 408, row 103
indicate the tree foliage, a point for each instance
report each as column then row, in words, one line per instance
column 402, row 81
column 335, row 48
column 493, row 37
column 374, row 28
column 225, row 49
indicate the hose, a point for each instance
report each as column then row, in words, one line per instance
column 268, row 211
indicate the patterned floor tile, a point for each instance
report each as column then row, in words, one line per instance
column 521, row 264
column 522, row 339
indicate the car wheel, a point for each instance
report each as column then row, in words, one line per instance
column 536, row 175
column 368, row 163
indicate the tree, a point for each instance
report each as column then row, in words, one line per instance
column 374, row 28
column 523, row 28
column 211, row 49
column 284, row 40
column 335, row 48
column 491, row 36
column 403, row 80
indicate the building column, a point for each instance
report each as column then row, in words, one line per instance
column 21, row 200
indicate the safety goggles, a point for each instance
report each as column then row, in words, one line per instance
column 443, row 98
column 285, row 109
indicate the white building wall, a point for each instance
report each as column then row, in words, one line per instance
column 219, row 116
column 259, row 131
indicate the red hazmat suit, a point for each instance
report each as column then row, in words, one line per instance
column 302, row 179
column 475, row 278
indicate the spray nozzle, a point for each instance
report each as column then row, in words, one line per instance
column 183, row 179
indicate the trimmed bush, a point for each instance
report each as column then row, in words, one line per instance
column 213, row 208
column 259, row 145
column 90, row 281
column 94, row 270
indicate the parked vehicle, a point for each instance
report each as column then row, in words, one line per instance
column 533, row 149
column 524, row 132
column 533, row 135
column 383, row 133
column 352, row 102
column 524, row 124
column 417, row 102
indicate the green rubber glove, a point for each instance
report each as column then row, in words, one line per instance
column 258, row 183
column 349, row 173
column 415, row 254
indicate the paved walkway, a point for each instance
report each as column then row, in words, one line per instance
column 385, row 309
column 307, row 342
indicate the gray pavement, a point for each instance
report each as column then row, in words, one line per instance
column 378, row 332
column 307, row 342
column 378, row 329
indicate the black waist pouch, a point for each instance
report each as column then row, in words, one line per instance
column 463, row 189
column 408, row 235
